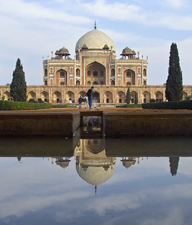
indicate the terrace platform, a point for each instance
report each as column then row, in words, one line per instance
column 116, row 122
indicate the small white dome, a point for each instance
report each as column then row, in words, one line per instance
column 95, row 39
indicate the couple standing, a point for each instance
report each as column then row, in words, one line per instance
column 90, row 96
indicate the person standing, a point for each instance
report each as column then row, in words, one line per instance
column 90, row 96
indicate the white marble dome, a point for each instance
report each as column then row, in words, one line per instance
column 95, row 175
column 95, row 39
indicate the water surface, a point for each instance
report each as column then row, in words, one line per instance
column 96, row 181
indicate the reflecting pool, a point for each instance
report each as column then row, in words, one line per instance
column 143, row 181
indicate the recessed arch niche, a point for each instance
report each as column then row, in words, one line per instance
column 146, row 97
column 120, row 97
column 108, row 97
column 7, row 96
column 159, row 96
column 96, row 97
column 82, row 94
column 31, row 95
column 133, row 95
column 95, row 73
column 70, row 95
column 61, row 77
column 57, row 97
column 45, row 96
column 129, row 77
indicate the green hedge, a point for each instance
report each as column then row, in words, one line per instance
column 9, row 105
column 129, row 106
column 186, row 104
column 64, row 106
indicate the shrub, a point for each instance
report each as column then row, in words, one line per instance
column 186, row 104
column 152, row 100
column 40, row 100
column 129, row 106
column 32, row 100
column 9, row 105
column 64, row 106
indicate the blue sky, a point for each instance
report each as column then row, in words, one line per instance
column 30, row 30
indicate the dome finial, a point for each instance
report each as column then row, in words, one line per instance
column 95, row 27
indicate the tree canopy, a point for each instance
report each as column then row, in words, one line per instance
column 18, row 84
column 174, row 86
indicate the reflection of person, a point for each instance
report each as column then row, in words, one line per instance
column 90, row 96
column 94, row 102
column 70, row 101
column 80, row 101
column 86, row 102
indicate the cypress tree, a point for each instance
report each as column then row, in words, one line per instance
column 128, row 96
column 18, row 84
column 174, row 81
column 136, row 98
column 174, row 164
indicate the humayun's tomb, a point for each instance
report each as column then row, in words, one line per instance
column 95, row 64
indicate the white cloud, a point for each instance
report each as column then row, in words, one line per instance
column 129, row 12
column 115, row 11
column 30, row 30
column 131, row 201
column 35, row 203
column 176, row 3
column 174, row 216
column 33, row 10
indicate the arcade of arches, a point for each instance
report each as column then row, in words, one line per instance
column 107, row 95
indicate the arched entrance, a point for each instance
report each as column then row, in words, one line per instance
column 45, row 96
column 96, row 97
column 82, row 94
column 95, row 74
column 7, row 96
column 120, row 97
column 31, row 95
column 146, row 97
column 108, row 97
column 159, row 96
column 133, row 94
column 57, row 97
column 70, row 96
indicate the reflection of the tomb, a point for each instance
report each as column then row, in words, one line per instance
column 99, row 154
column 92, row 164
column 63, row 162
